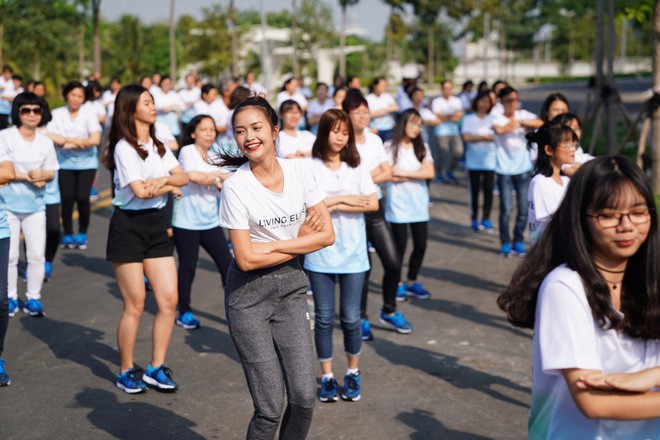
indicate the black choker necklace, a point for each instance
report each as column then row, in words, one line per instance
column 609, row 271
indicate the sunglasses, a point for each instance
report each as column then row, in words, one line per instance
column 28, row 110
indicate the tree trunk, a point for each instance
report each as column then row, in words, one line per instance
column 2, row 31
column 234, row 41
column 431, row 54
column 655, row 147
column 294, row 39
column 342, row 45
column 81, row 53
column 96, row 12
column 172, row 44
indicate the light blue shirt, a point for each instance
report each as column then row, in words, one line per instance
column 407, row 202
column 199, row 208
column 349, row 252
column 479, row 155
column 512, row 155
column 52, row 193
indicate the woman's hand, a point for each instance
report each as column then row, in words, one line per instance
column 398, row 172
column 356, row 200
column 176, row 193
column 639, row 382
column 313, row 223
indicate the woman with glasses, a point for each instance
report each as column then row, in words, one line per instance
column 557, row 145
column 590, row 290
column 35, row 164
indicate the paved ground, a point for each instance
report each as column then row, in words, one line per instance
column 463, row 373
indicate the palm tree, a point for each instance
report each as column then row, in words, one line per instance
column 342, row 35
column 96, row 13
column 172, row 44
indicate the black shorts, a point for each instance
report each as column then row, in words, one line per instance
column 136, row 235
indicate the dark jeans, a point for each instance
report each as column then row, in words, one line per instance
column 268, row 321
column 4, row 299
column 481, row 181
column 187, row 244
column 380, row 235
column 507, row 183
column 75, row 186
column 53, row 231
column 420, row 232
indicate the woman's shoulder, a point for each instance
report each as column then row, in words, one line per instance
column 563, row 275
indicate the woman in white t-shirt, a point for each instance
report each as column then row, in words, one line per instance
column 144, row 172
column 169, row 105
column 351, row 192
column 383, row 108
column 318, row 106
column 293, row 143
column 196, row 219
column 573, row 121
column 557, row 145
column 35, row 164
column 274, row 211
column 407, row 200
column 76, row 131
column 379, row 233
column 590, row 290
column 480, row 159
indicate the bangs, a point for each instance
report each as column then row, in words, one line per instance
column 614, row 189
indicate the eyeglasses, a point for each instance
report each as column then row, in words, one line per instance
column 570, row 145
column 28, row 110
column 637, row 217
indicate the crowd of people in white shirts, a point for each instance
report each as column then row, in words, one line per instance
column 370, row 157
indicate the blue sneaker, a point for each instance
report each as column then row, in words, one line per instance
column 93, row 195
column 81, row 241
column 401, row 292
column 48, row 274
column 371, row 248
column 13, row 307
column 439, row 179
column 33, row 307
column 487, row 226
column 366, row 330
column 416, row 290
column 160, row 377
column 451, row 179
column 328, row 391
column 505, row 250
column 146, row 283
column 4, row 377
column 68, row 242
column 519, row 249
column 187, row 320
column 131, row 382
column 351, row 390
column 475, row 226
column 397, row 321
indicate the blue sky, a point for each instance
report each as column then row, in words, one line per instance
column 368, row 14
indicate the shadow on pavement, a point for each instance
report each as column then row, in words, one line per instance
column 428, row 427
column 210, row 340
column 76, row 343
column 73, row 258
column 463, row 279
column 133, row 420
column 449, row 370
column 469, row 313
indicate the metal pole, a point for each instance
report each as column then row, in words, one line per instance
column 265, row 61
column 172, row 44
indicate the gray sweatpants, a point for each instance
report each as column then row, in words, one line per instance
column 269, row 324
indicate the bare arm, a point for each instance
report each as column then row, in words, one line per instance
column 427, row 171
column 353, row 203
column 468, row 137
column 611, row 404
column 7, row 173
column 382, row 173
column 386, row 111
column 507, row 128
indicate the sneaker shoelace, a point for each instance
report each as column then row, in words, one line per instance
column 352, row 382
column 329, row 385
column 166, row 371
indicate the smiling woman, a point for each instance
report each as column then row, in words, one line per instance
column 590, row 290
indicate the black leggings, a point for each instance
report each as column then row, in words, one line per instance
column 187, row 244
column 75, row 186
column 53, row 231
column 420, row 232
column 481, row 180
column 381, row 237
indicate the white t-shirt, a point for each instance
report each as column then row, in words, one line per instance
column 372, row 154
column 479, row 155
column 316, row 109
column 39, row 154
column 445, row 107
column 257, row 88
column 189, row 97
column 513, row 158
column 6, row 90
column 297, row 96
column 407, row 202
column 108, row 98
column 129, row 167
column 82, row 126
column 96, row 106
column 349, row 252
column 170, row 118
column 216, row 109
column 566, row 336
column 286, row 144
column 269, row 216
column 376, row 103
column 199, row 208
column 543, row 199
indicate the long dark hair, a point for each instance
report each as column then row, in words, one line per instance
column 567, row 240
column 330, row 119
column 255, row 102
column 400, row 133
column 551, row 134
column 552, row 97
column 123, row 125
